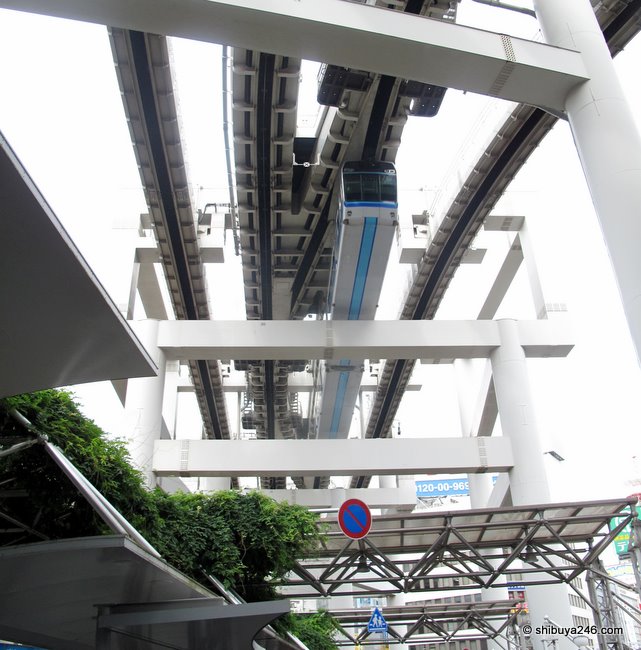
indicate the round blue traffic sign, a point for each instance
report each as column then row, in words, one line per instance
column 354, row 518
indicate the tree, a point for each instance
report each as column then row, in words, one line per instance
column 246, row 541
column 315, row 630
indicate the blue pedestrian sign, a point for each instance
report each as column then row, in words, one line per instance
column 377, row 623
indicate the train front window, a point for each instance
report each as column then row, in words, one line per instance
column 388, row 187
column 352, row 183
column 371, row 190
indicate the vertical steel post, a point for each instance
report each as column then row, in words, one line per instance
column 607, row 141
column 528, row 480
column 143, row 405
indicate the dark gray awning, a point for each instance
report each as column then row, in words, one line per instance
column 58, row 326
column 58, row 594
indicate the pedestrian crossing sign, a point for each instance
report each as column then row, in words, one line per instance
column 376, row 622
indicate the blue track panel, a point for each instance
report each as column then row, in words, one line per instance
column 362, row 267
column 340, row 398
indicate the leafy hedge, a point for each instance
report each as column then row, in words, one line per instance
column 243, row 540
column 315, row 630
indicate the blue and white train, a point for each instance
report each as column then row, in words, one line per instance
column 365, row 229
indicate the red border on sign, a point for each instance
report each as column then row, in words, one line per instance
column 342, row 513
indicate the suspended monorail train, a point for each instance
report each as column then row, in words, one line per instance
column 365, row 229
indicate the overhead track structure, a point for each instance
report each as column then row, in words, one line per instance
column 514, row 142
column 286, row 209
column 144, row 76
column 264, row 97
column 526, row 127
column 364, row 120
column 444, row 551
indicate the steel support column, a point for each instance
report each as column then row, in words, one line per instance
column 528, row 480
column 143, row 406
column 608, row 143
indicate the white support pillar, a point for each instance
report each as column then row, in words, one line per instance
column 480, row 484
column 529, row 258
column 143, row 406
column 607, row 141
column 170, row 397
column 477, row 412
column 387, row 481
column 480, row 491
column 215, row 483
column 528, row 481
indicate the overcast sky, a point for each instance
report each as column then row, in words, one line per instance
column 61, row 110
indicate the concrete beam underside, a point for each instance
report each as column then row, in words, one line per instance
column 283, row 340
column 331, row 457
column 350, row 35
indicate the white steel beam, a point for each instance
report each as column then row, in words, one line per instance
column 284, row 340
column 403, row 498
column 503, row 280
column 299, row 382
column 331, row 457
column 351, row 35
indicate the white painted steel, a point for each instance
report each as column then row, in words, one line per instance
column 528, row 477
column 518, row 417
column 350, row 35
column 331, row 457
column 354, row 339
column 299, row 382
column 608, row 143
column 403, row 497
column 142, row 423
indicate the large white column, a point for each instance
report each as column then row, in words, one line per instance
column 143, row 405
column 480, row 490
column 215, row 483
column 607, row 141
column 528, row 482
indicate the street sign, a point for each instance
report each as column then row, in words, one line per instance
column 354, row 519
column 622, row 540
column 377, row 623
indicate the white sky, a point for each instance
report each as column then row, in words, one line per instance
column 61, row 110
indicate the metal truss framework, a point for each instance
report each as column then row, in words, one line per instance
column 468, row 549
column 443, row 622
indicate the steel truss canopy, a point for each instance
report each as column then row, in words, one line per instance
column 467, row 549
column 350, row 35
column 470, row 621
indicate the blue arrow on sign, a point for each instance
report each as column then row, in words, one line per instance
column 377, row 623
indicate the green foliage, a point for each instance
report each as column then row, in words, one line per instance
column 56, row 505
column 316, row 630
column 243, row 540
